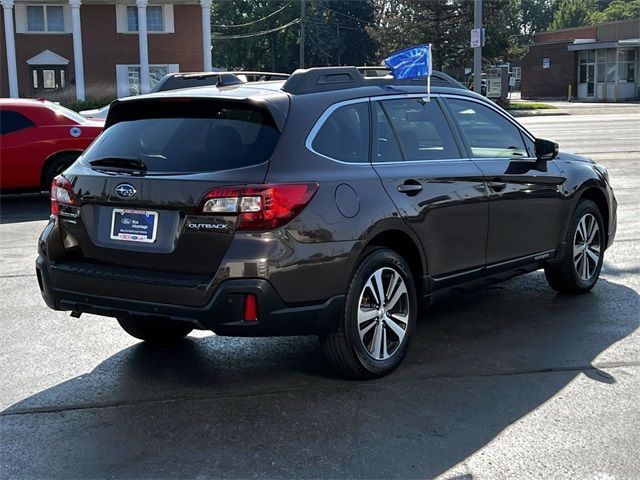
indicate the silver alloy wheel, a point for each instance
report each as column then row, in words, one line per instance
column 383, row 313
column 586, row 247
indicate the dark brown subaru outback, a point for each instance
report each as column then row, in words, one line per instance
column 331, row 203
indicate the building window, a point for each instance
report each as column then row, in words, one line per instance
column 517, row 72
column 155, row 18
column 45, row 18
column 626, row 65
column 156, row 72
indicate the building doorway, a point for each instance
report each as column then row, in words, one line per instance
column 48, row 73
column 48, row 79
column 587, row 74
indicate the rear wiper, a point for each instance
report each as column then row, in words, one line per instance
column 131, row 165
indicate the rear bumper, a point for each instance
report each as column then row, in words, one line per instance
column 223, row 314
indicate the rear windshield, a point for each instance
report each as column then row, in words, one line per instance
column 186, row 137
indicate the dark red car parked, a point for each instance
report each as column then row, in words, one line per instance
column 38, row 140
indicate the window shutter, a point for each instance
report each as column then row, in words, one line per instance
column 167, row 12
column 68, row 27
column 121, row 18
column 21, row 17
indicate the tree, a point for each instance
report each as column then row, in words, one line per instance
column 535, row 16
column 446, row 25
column 572, row 13
column 335, row 34
column 617, row 10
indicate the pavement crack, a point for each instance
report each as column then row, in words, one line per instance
column 9, row 412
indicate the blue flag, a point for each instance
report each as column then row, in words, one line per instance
column 411, row 62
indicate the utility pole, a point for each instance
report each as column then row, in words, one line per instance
column 302, row 14
column 477, row 51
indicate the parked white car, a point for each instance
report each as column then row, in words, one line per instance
column 96, row 113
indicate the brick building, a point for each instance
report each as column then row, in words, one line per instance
column 99, row 48
column 600, row 62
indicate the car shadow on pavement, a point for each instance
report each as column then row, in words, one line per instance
column 240, row 408
column 24, row 207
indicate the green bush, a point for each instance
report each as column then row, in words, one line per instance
column 87, row 104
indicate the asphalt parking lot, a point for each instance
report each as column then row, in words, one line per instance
column 511, row 381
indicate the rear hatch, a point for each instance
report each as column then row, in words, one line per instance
column 138, row 191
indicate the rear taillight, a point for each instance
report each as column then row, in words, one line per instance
column 259, row 207
column 61, row 194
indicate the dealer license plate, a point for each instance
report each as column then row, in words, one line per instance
column 134, row 225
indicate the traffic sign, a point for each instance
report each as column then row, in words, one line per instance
column 476, row 37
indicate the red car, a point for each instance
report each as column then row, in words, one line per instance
column 38, row 140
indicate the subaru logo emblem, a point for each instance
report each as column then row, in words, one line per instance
column 124, row 190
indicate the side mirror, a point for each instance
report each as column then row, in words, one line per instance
column 546, row 149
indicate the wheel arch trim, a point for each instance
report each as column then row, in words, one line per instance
column 396, row 235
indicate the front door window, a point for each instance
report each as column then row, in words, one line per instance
column 487, row 133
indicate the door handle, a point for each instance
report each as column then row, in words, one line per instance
column 496, row 186
column 412, row 188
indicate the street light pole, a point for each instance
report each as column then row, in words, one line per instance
column 477, row 51
column 302, row 14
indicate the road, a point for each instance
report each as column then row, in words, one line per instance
column 600, row 136
column 511, row 381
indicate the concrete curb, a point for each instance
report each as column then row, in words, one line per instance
column 537, row 113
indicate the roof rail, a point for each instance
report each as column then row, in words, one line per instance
column 233, row 77
column 324, row 79
column 172, row 81
column 260, row 76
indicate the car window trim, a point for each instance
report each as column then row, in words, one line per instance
column 438, row 97
column 323, row 118
column 319, row 123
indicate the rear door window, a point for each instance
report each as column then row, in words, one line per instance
column 422, row 129
column 187, row 138
column 12, row 121
column 344, row 135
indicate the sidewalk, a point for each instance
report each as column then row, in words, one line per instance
column 562, row 107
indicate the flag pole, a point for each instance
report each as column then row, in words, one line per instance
column 429, row 76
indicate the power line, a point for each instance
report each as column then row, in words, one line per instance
column 327, row 54
column 347, row 16
column 255, row 21
column 256, row 34
column 346, row 27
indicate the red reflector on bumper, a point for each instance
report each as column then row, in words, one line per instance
column 250, row 308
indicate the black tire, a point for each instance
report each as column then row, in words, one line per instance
column 58, row 165
column 563, row 274
column 152, row 331
column 343, row 347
